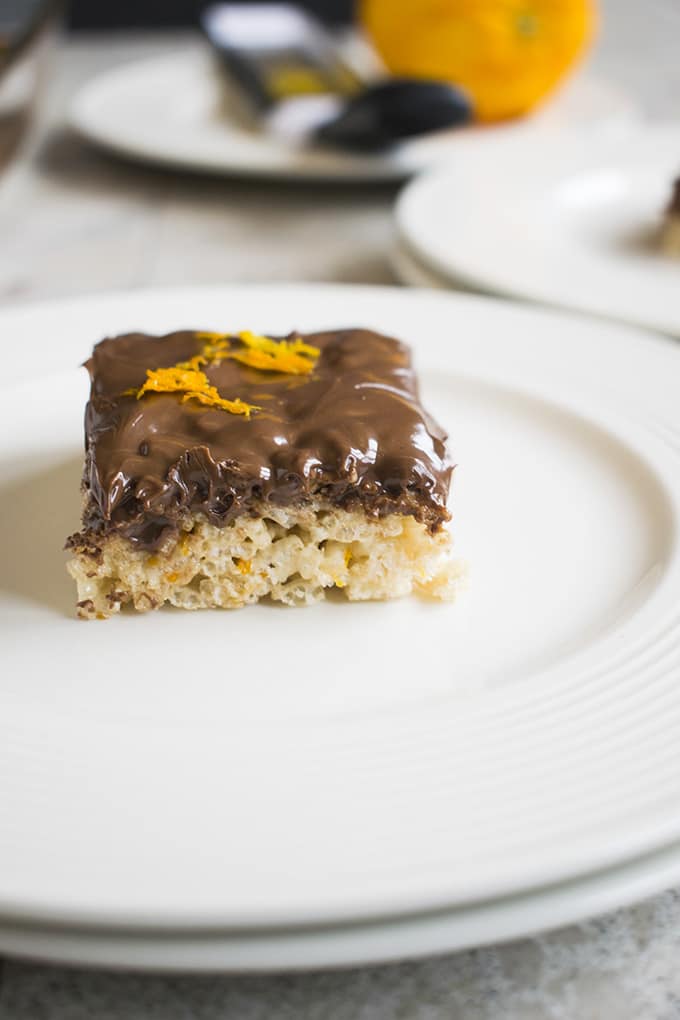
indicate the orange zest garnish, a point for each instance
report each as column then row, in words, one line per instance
column 290, row 356
column 193, row 364
column 293, row 357
column 215, row 347
column 194, row 385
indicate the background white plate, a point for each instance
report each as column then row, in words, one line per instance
column 271, row 767
column 574, row 222
column 174, row 110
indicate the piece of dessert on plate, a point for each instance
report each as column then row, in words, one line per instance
column 221, row 469
column 670, row 234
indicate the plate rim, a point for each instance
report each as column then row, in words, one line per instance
column 377, row 942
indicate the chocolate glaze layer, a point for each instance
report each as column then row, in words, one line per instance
column 353, row 433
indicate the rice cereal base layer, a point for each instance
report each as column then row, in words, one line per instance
column 294, row 556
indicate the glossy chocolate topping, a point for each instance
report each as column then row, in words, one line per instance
column 353, row 432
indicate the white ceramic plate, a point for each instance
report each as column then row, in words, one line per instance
column 174, row 110
column 574, row 223
column 375, row 941
column 271, row 767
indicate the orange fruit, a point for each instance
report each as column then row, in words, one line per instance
column 507, row 54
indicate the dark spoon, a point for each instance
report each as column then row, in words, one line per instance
column 389, row 111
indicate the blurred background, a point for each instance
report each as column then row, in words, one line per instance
column 81, row 218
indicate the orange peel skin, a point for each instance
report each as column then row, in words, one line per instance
column 507, row 55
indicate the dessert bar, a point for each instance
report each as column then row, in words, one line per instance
column 224, row 468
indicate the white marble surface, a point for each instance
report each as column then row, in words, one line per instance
column 72, row 221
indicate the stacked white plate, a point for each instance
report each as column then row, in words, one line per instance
column 574, row 222
column 175, row 110
column 353, row 782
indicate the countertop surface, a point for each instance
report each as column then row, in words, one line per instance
column 74, row 221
